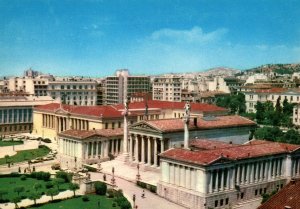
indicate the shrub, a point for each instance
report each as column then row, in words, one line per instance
column 85, row 198
column 100, row 188
column 41, row 175
column 110, row 193
column 23, row 177
column 49, row 185
column 64, row 175
column 141, row 184
column 152, row 188
column 114, row 205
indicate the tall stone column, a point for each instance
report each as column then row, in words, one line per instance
column 238, row 181
column 149, row 151
column 155, row 151
column 86, row 150
column 143, row 150
column 186, row 120
column 131, row 148
column 228, row 178
column 210, row 188
column 217, row 181
column 222, row 179
column 243, row 174
column 125, row 127
column 136, row 149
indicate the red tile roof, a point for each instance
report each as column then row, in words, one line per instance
column 288, row 196
column 98, row 111
column 250, row 150
column 84, row 134
column 206, row 144
column 112, row 111
column 176, row 124
column 271, row 90
column 195, row 107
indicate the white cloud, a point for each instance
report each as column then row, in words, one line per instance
column 194, row 35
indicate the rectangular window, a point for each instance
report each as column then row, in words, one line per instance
column 256, row 192
column 226, row 201
column 242, row 195
column 106, row 125
column 113, row 125
column 216, row 203
column 119, row 124
column 221, row 202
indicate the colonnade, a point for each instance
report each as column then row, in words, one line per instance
column 101, row 149
column 64, row 123
column 296, row 166
column 70, row 148
column 145, row 149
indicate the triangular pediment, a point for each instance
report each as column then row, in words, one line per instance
column 144, row 126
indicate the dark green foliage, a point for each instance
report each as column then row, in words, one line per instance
column 23, row 177
column 41, row 175
column 64, row 175
column 266, row 196
column 141, row 184
column 110, row 193
column 121, row 200
column 275, row 134
column 268, row 115
column 101, row 188
column 236, row 103
column 73, row 187
column 85, row 198
column 34, row 196
column 57, row 182
column 52, row 192
column 49, row 185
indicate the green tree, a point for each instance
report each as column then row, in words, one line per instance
column 64, row 175
column 100, row 188
column 291, row 136
column 73, row 187
column 6, row 158
column 278, row 107
column 58, row 182
column 34, row 196
column 52, row 192
column 37, row 186
column 2, row 193
column 268, row 133
column 16, row 200
column 260, row 112
column 19, row 189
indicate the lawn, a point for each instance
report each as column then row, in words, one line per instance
column 10, row 143
column 26, row 155
column 8, row 184
column 78, row 203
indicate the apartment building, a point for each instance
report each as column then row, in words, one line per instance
column 115, row 86
column 270, row 94
column 167, row 88
column 74, row 91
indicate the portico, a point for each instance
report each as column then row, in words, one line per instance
column 87, row 147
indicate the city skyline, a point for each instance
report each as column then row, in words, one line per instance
column 94, row 38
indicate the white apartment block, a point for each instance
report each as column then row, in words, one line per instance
column 271, row 94
column 74, row 91
column 167, row 88
column 115, row 86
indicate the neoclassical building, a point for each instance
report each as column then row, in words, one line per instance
column 51, row 119
column 78, row 147
column 152, row 137
column 214, row 174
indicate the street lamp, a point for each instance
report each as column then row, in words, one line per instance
column 138, row 176
column 113, row 180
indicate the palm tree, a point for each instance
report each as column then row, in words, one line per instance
column 34, row 196
column 52, row 192
column 73, row 187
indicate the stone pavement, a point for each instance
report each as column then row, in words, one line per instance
column 44, row 198
column 129, row 172
column 151, row 200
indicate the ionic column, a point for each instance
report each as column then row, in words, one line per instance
column 102, row 148
column 232, row 178
column 238, row 175
column 252, row 173
column 86, row 150
column 228, row 179
column 131, row 147
column 243, row 174
column 222, row 179
column 143, row 150
column 210, row 188
column 187, row 178
column 149, row 151
column 113, row 146
column 97, row 148
column 217, row 181
column 136, row 149
column 155, row 152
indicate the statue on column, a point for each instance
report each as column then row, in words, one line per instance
column 186, row 120
column 187, row 108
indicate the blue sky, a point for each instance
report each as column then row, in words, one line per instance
column 94, row 37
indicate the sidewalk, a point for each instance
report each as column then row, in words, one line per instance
column 128, row 172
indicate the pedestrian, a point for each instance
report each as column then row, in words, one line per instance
column 143, row 194
column 104, row 177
